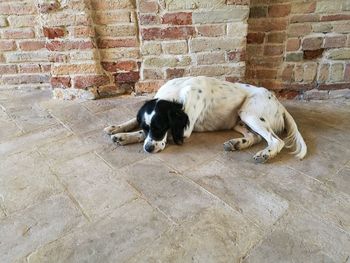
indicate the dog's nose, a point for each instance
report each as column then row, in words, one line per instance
column 149, row 148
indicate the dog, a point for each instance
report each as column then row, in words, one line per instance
column 199, row 104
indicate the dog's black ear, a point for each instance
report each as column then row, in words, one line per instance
column 178, row 121
column 147, row 107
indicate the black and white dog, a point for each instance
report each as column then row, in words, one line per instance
column 198, row 104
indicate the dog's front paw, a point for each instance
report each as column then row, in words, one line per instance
column 109, row 130
column 231, row 145
column 261, row 157
column 120, row 139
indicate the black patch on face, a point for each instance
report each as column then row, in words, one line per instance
column 262, row 119
column 168, row 116
column 244, row 140
column 200, row 91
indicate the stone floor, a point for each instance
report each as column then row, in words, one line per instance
column 68, row 194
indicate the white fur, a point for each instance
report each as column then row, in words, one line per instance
column 213, row 104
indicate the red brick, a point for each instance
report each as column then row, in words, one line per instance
column 266, row 73
column 149, row 19
column 211, row 30
column 69, row 45
column 313, row 54
column 54, row 32
column 232, row 79
column 335, row 41
column 8, row 69
column 273, row 50
column 177, row 32
column 236, row 55
column 48, row 6
column 267, row 25
column 61, row 82
column 148, row 87
column 115, row 43
column 312, row 43
column 255, row 38
column 132, row 76
column 336, row 17
column 304, row 18
column 180, row 18
column 258, row 11
column 17, row 8
column 279, row 10
column 22, row 33
column 276, row 37
column 119, row 66
column 172, row 73
column 334, row 86
column 148, row 6
column 270, row 84
column 82, row 82
column 304, row 8
column 29, row 68
column 30, row 45
column 7, row 45
column 287, row 73
column 287, row 94
column 45, row 68
column 298, row 86
column 293, row 44
column 167, row 33
column 81, row 31
column 347, row 72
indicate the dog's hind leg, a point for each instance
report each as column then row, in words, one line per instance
column 124, row 127
column 129, row 137
column 249, row 139
column 259, row 125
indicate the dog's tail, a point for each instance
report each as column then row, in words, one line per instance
column 294, row 138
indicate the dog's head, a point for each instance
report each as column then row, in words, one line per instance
column 157, row 118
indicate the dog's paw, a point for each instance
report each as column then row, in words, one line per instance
column 261, row 157
column 120, row 139
column 232, row 145
column 109, row 130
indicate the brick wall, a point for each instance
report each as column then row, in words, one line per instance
column 300, row 47
column 93, row 48
column 182, row 38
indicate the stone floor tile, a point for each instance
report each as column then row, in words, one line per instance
column 176, row 196
column 94, row 185
column 77, row 118
column 34, row 139
column 8, row 128
column 121, row 156
column 66, row 149
column 31, row 117
column 115, row 238
column 340, row 181
column 240, row 191
column 26, row 182
column 319, row 199
column 27, row 230
column 214, row 235
column 188, row 155
column 15, row 97
column 300, row 237
column 115, row 116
